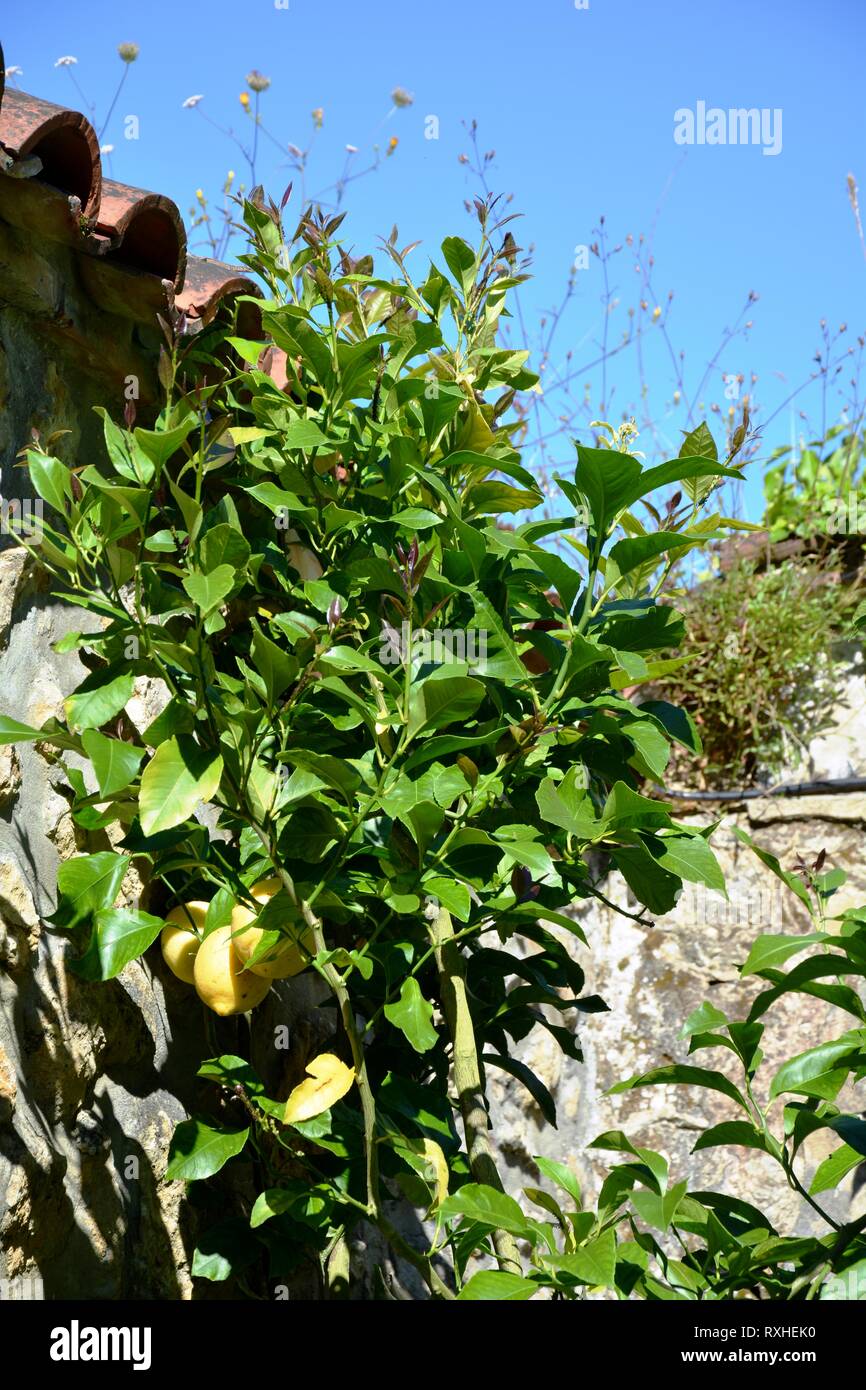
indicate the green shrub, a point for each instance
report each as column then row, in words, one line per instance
column 759, row 676
column 821, row 492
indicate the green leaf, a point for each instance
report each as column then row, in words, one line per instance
column 443, row 699
column 115, row 763
column 277, row 668
column 607, row 480
column 678, row 1075
column 13, row 732
column 177, row 718
column 451, row 894
column 498, row 1285
column 704, row 1018
column 120, row 935
column 807, row 1067
column 651, row 884
column 460, row 259
column 159, row 445
column 230, row 1071
column 416, row 518
column 699, row 443
column 831, row 1172
column 303, row 1203
column 86, row 884
column 593, row 1264
column 690, row 857
column 99, row 698
column 302, row 434
column 124, row 451
column 559, row 1174
column 491, row 498
column 478, row 1202
column 426, row 1110
column 628, row 554
column 625, row 809
column 223, row 545
column 676, row 471
column 678, row 722
column 179, row 775
column 658, row 1209
column 846, row 1286
column 738, row 1132
column 567, row 804
column 652, row 747
column 198, row 1150
column 412, row 1014
column 620, row 1143
column 852, row 1129
column 224, row 1250
column 207, row 591
column 50, row 478
column 773, row 950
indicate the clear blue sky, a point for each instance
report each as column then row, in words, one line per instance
column 579, row 106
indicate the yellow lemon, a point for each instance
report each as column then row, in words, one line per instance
column 178, row 940
column 220, row 979
column 285, row 959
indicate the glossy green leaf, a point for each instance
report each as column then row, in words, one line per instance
column 443, row 699
column 115, row 762
column 679, row 1075
column 593, row 1264
column 179, row 775
column 198, row 1150
column 770, row 951
column 559, row 1174
column 412, row 1014
column 86, row 884
column 478, row 1202
column 497, row 1285
column 834, row 1168
column 99, row 698
column 808, row 1066
column 207, row 591
column 120, row 935
column 224, row 1250
column 737, row 1132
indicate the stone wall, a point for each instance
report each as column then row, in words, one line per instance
column 653, row 979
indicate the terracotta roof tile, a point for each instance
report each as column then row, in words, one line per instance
column 132, row 242
column 145, row 230
column 64, row 141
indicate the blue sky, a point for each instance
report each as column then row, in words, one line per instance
column 579, row 106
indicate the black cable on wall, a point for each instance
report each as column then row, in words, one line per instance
column 831, row 787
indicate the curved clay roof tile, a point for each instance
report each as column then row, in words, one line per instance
column 136, row 259
column 145, row 230
column 208, row 284
column 63, row 140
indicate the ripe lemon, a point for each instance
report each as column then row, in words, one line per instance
column 285, row 959
column 178, row 940
column 220, row 979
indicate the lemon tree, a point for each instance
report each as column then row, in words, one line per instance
column 395, row 743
